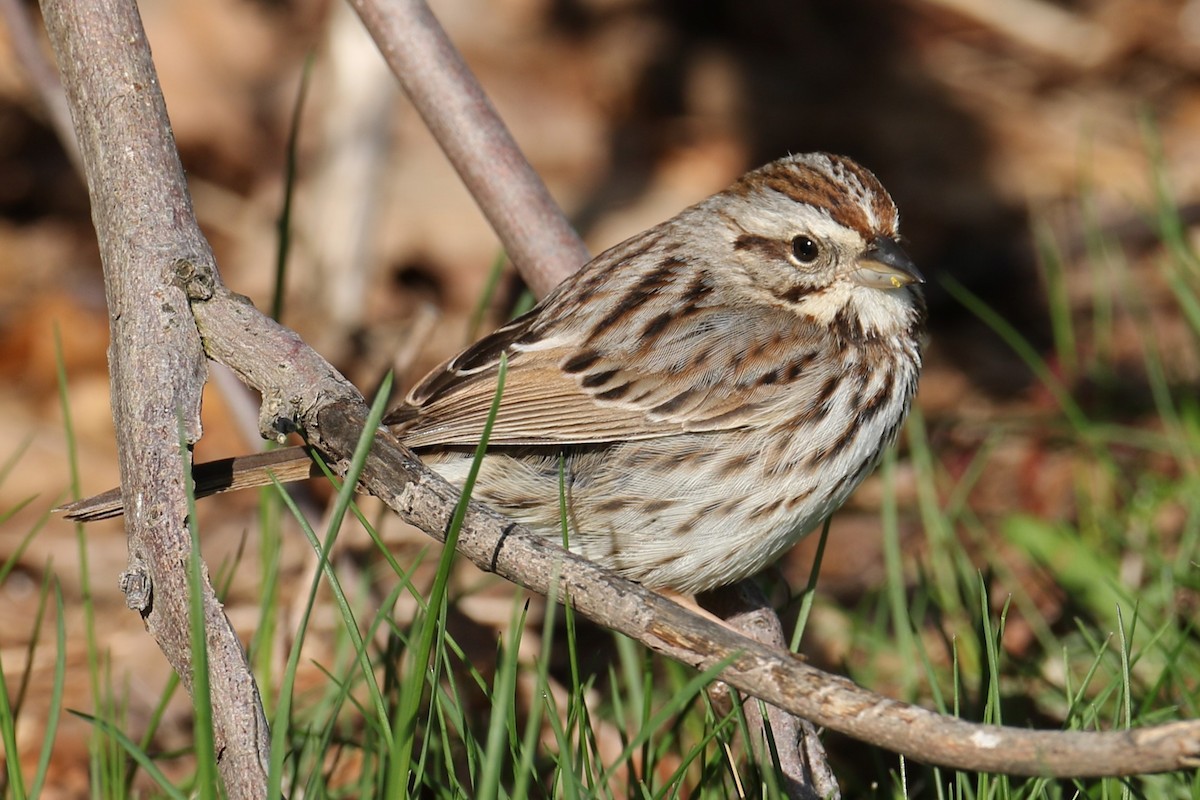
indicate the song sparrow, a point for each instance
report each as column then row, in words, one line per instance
column 705, row 393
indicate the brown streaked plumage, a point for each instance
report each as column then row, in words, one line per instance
column 711, row 389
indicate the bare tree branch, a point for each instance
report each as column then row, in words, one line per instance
column 530, row 225
column 802, row 760
column 498, row 545
column 146, row 229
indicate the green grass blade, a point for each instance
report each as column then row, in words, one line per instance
column 284, row 224
column 270, row 555
column 897, row 591
column 14, row 557
column 343, row 503
column 502, row 697
column 207, row 783
column 8, row 734
column 1026, row 351
column 991, row 642
column 86, row 603
column 282, row 719
column 136, row 753
column 809, row 593
column 524, row 772
column 39, row 616
column 56, row 693
column 1124, row 639
column 491, row 283
column 398, row 779
column 674, row 705
column 1058, row 301
column 156, row 716
column 350, row 624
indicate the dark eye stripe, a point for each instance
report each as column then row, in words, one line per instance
column 766, row 247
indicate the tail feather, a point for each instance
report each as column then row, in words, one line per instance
column 212, row 477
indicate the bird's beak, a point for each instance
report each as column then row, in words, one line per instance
column 885, row 265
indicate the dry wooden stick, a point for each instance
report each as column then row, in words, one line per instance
column 496, row 544
column 530, row 225
column 145, row 226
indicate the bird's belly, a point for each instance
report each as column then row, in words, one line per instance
column 688, row 512
column 669, row 514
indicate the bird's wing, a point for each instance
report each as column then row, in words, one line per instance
column 637, row 368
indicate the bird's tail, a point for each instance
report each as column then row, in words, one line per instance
column 213, row 477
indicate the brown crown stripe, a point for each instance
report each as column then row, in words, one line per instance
column 822, row 194
column 881, row 201
column 810, row 185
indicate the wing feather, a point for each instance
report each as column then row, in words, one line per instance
column 613, row 368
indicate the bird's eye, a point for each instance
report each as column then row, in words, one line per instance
column 805, row 249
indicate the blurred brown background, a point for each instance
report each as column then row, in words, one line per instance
column 992, row 122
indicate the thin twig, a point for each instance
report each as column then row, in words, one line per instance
column 538, row 239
